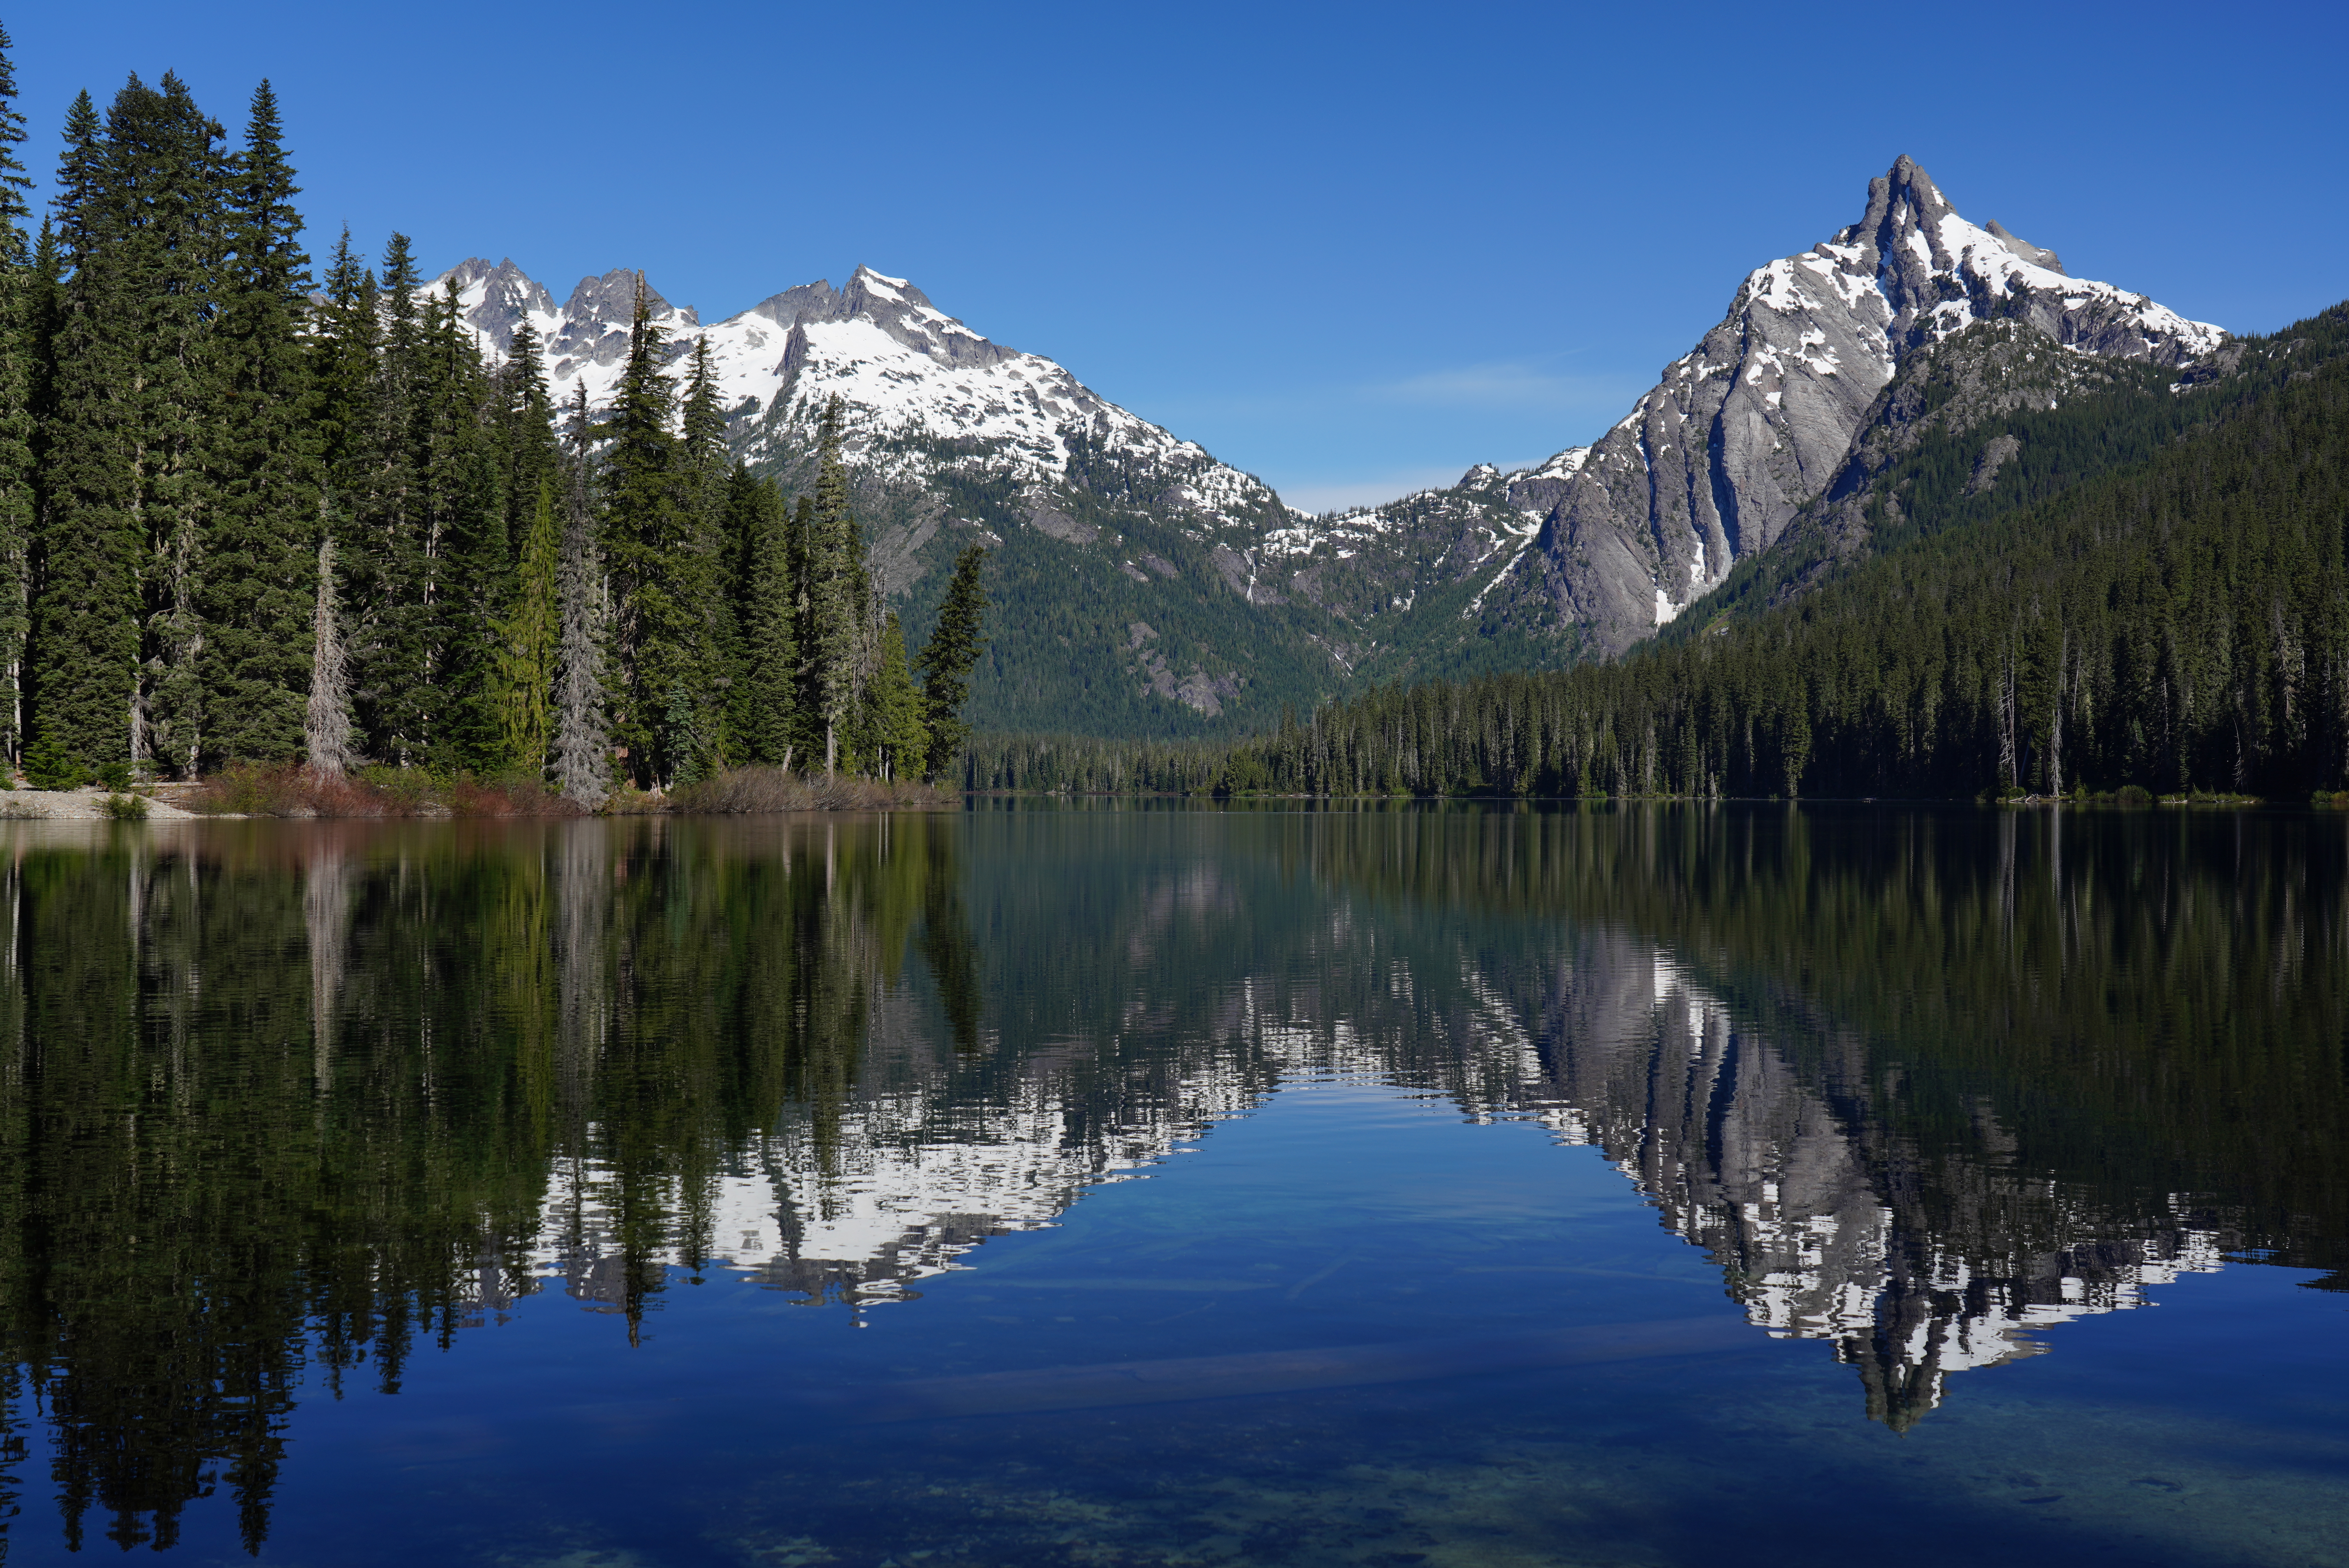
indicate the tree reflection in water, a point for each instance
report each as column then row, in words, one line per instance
column 281, row 1102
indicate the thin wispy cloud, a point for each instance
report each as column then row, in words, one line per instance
column 1338, row 494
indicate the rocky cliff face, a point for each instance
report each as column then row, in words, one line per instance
column 957, row 438
column 1713, row 464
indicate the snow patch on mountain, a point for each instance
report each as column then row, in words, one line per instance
column 901, row 367
column 1711, row 464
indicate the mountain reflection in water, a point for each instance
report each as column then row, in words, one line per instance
column 286, row 1106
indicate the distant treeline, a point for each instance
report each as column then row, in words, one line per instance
column 240, row 520
column 2177, row 624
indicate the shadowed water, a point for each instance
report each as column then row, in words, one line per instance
column 1179, row 1186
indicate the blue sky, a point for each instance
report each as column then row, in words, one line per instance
column 1350, row 249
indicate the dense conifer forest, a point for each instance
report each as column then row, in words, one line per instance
column 2156, row 600
column 248, row 514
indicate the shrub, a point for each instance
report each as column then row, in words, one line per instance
column 742, row 791
column 508, row 795
column 124, row 807
column 2135, row 795
column 290, row 790
column 47, row 766
column 113, row 776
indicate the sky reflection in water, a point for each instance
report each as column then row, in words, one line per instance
column 1459, row 1186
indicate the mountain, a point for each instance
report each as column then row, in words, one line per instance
column 1125, row 573
column 1143, row 588
column 1712, row 464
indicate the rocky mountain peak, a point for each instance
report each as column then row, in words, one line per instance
column 613, row 298
column 2035, row 254
column 1755, row 421
column 495, row 297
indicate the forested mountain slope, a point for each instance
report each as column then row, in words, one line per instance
column 2167, row 607
column 1125, row 584
column 1738, row 434
column 1143, row 588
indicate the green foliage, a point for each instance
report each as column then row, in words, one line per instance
column 660, row 676
column 529, row 643
column 833, row 596
column 894, row 722
column 125, row 431
column 49, row 766
column 2179, row 622
column 768, row 709
column 124, row 807
column 259, row 534
column 947, row 660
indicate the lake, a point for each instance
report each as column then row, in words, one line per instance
column 1045, row 1184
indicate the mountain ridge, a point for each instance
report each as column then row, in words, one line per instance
column 1112, row 518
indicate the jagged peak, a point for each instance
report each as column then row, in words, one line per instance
column 613, row 297
column 2038, row 255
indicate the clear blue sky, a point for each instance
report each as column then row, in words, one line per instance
column 1352, row 248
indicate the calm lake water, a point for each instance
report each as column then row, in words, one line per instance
column 1141, row 1186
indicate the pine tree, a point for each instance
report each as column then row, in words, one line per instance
column 345, row 333
column 836, row 589
column 123, row 434
column 583, row 765
column 770, row 716
column 947, row 659
column 528, row 454
column 466, row 554
column 647, row 539
column 901, row 741
column 85, row 546
column 711, row 664
column 261, row 532
column 22, row 302
column 387, row 569
column 530, row 642
column 170, row 165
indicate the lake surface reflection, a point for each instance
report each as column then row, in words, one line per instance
column 1179, row 1185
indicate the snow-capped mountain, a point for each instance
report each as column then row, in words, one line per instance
column 901, row 367
column 1613, row 540
column 1148, row 612
column 1167, row 589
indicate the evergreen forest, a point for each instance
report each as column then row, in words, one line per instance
column 249, row 514
column 2154, row 599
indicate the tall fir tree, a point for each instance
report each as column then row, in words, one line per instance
column 647, row 538
column 712, row 666
column 22, row 310
column 118, row 548
column 261, row 534
column 171, row 164
column 947, row 659
column 388, row 567
column 831, row 646
column 467, row 558
column 899, row 738
column 768, row 693
column 530, row 641
column 345, row 330
column 529, row 455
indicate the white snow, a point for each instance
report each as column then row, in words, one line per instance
column 899, row 366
